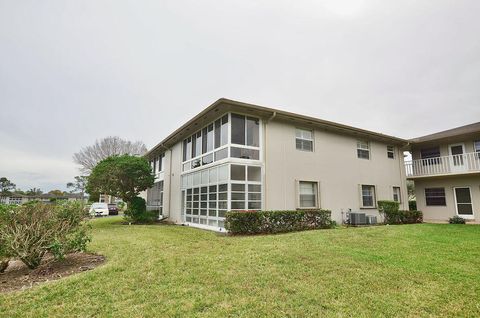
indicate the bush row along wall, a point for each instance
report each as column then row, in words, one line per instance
column 267, row 222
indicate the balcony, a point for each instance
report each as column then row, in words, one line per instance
column 446, row 165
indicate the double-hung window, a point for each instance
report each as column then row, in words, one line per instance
column 391, row 152
column 304, row 139
column 308, row 191
column 368, row 196
column 435, row 197
column 363, row 149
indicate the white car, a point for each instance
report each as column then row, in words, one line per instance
column 99, row 209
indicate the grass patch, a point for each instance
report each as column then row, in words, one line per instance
column 173, row 271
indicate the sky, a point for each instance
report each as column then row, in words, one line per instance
column 72, row 72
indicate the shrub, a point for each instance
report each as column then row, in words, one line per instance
column 412, row 205
column 268, row 222
column 456, row 220
column 390, row 211
column 30, row 231
column 4, row 257
column 404, row 217
column 388, row 206
column 411, row 217
column 137, row 212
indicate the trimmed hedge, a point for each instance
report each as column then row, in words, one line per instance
column 392, row 214
column 269, row 222
column 403, row 217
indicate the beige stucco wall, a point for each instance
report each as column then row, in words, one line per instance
column 442, row 213
column 334, row 164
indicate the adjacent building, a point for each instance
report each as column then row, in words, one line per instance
column 445, row 167
column 239, row 156
column 19, row 199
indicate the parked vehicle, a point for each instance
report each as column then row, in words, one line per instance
column 99, row 209
column 112, row 209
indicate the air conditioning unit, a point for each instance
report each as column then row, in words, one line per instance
column 357, row 219
column 371, row 219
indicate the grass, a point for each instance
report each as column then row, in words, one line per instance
column 173, row 271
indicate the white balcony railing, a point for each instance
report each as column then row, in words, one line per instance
column 456, row 164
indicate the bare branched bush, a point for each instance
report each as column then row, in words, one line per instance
column 89, row 156
column 29, row 231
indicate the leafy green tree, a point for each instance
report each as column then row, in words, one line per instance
column 6, row 186
column 56, row 192
column 121, row 176
column 34, row 191
column 411, row 190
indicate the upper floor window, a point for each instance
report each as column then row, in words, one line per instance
column 209, row 144
column 363, row 149
column 476, row 147
column 430, row 155
column 153, row 165
column 161, row 162
column 221, row 131
column 187, row 149
column 304, row 139
column 391, row 152
column 245, row 130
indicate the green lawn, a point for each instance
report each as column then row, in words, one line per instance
column 409, row 270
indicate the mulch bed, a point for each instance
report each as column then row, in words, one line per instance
column 19, row 277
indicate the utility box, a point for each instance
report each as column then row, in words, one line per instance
column 371, row 219
column 357, row 218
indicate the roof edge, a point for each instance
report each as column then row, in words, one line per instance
column 278, row 112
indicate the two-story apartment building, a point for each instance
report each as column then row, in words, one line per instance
column 238, row 156
column 445, row 167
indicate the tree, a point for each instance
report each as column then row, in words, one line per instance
column 34, row 191
column 6, row 186
column 78, row 185
column 88, row 157
column 411, row 190
column 121, row 176
column 56, row 192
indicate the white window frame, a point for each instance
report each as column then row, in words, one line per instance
column 360, row 144
column 465, row 216
column 374, row 201
column 185, row 184
column 476, row 147
column 312, row 140
column 316, row 191
column 392, row 151
column 186, row 165
column 399, row 194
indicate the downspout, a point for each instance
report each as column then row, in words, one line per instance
column 265, row 159
column 170, row 182
column 404, row 180
column 169, row 185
